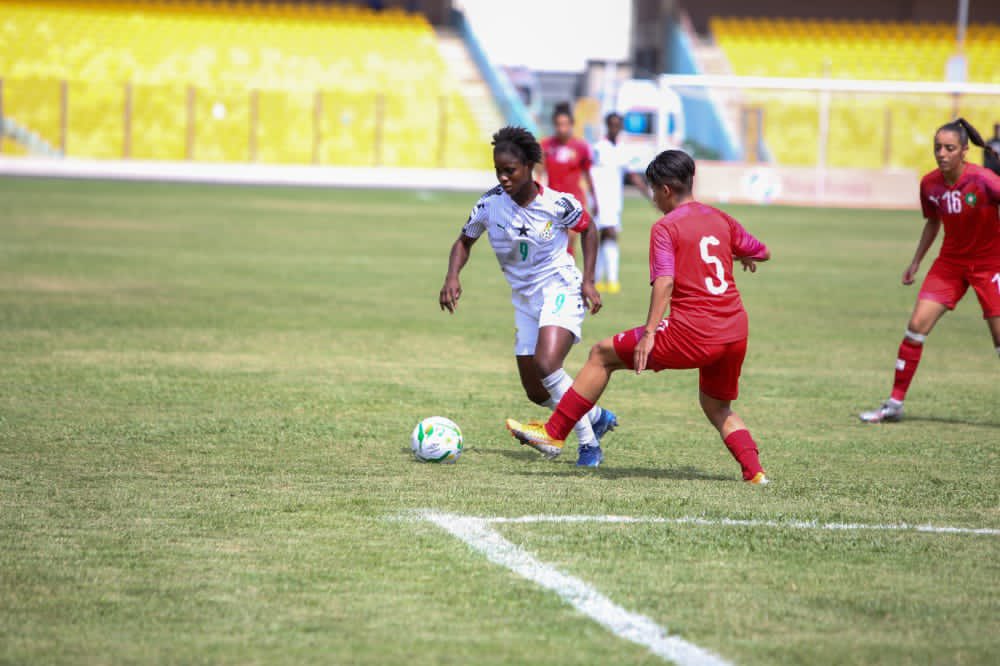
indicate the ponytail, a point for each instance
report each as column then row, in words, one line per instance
column 966, row 133
column 976, row 138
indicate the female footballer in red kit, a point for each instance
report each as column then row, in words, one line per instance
column 567, row 159
column 963, row 198
column 692, row 251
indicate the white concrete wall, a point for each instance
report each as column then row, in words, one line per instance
column 715, row 181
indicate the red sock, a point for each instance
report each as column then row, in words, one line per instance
column 906, row 367
column 744, row 449
column 570, row 409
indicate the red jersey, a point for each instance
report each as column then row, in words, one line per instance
column 695, row 244
column 968, row 211
column 565, row 164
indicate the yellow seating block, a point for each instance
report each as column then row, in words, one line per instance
column 858, row 50
column 233, row 53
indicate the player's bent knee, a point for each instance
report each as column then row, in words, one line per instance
column 603, row 352
column 546, row 365
column 717, row 411
column 925, row 316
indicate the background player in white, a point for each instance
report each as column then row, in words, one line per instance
column 527, row 226
column 610, row 166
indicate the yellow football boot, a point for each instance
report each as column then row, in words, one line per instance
column 533, row 434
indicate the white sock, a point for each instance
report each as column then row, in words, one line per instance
column 556, row 393
column 609, row 249
column 557, row 384
column 601, row 267
column 998, row 351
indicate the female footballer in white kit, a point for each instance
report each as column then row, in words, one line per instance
column 609, row 167
column 527, row 226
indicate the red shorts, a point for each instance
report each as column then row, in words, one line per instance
column 948, row 280
column 719, row 365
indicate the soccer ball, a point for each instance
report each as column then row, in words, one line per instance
column 436, row 440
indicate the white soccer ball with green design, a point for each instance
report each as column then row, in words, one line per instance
column 437, row 440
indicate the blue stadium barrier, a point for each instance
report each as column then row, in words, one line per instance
column 703, row 119
column 12, row 130
column 513, row 109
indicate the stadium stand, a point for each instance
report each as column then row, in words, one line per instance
column 857, row 50
column 233, row 81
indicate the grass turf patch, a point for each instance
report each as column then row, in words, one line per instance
column 208, row 392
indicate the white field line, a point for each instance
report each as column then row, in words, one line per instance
column 477, row 533
column 735, row 522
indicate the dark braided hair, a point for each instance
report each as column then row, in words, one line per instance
column 518, row 142
column 966, row 133
column 562, row 109
column 673, row 168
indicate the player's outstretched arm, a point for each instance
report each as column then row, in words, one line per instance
column 930, row 232
column 452, row 289
column 590, row 243
column 641, row 185
column 659, row 300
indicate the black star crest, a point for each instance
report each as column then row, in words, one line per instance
column 522, row 230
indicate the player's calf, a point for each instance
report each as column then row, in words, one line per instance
column 744, row 449
column 907, row 360
column 736, row 437
column 994, row 324
column 911, row 349
column 539, row 397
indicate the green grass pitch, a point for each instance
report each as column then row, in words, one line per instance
column 206, row 396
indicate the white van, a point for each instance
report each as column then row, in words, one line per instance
column 652, row 119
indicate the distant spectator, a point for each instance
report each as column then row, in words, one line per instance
column 991, row 161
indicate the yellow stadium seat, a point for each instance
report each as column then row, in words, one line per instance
column 857, row 50
column 290, row 54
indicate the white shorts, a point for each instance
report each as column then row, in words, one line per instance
column 559, row 303
column 610, row 220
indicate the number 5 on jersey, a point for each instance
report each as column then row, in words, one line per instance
column 713, row 261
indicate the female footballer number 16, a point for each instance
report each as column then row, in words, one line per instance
column 963, row 198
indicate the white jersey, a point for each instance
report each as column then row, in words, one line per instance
column 530, row 242
column 611, row 163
